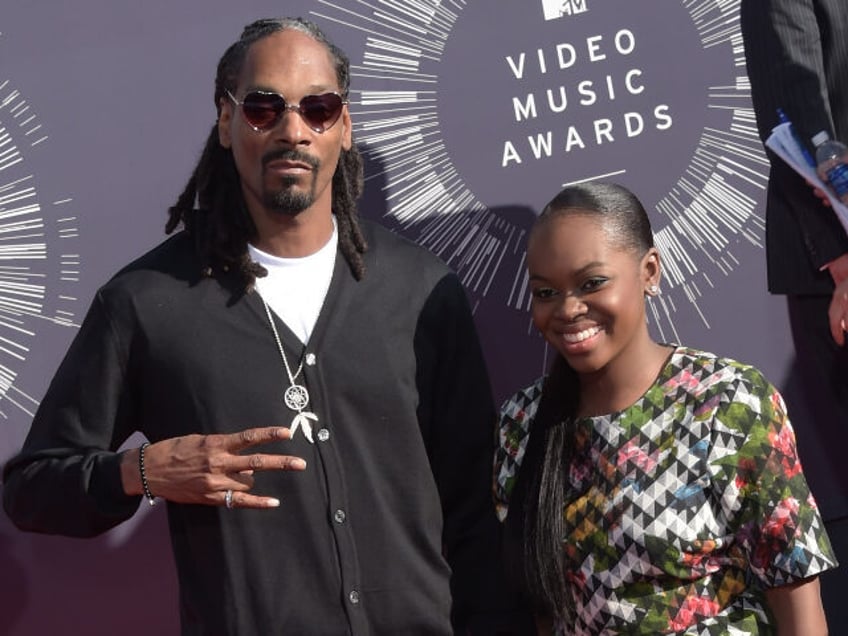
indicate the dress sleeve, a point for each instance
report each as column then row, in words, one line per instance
column 514, row 421
column 773, row 518
column 66, row 479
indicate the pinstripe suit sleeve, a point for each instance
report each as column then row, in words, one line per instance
column 787, row 49
column 784, row 55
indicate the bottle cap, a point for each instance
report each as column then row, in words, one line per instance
column 820, row 137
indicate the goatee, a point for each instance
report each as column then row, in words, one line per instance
column 288, row 200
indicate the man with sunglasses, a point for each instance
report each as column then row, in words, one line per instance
column 312, row 388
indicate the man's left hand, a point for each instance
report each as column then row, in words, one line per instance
column 838, row 269
column 838, row 313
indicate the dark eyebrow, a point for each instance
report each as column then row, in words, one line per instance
column 587, row 267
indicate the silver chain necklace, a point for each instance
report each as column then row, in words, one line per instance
column 296, row 397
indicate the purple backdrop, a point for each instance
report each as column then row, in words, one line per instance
column 469, row 119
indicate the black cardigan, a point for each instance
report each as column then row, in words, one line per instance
column 398, row 383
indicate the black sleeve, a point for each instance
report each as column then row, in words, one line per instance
column 784, row 54
column 457, row 409
column 66, row 479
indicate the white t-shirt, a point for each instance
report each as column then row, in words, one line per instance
column 295, row 288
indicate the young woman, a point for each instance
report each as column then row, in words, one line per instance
column 650, row 488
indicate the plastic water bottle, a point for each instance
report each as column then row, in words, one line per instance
column 832, row 163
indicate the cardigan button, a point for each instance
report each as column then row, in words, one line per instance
column 323, row 435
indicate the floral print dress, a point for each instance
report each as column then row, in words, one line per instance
column 684, row 506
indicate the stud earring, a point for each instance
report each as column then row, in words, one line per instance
column 653, row 290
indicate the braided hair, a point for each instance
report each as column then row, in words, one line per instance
column 211, row 207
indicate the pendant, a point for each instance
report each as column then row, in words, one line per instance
column 301, row 420
column 296, row 397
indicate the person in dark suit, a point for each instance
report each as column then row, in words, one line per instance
column 797, row 60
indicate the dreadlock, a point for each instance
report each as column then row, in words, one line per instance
column 220, row 224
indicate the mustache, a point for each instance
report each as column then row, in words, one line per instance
column 290, row 155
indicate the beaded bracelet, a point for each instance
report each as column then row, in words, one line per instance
column 150, row 498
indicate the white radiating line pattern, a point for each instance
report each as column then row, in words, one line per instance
column 32, row 275
column 596, row 177
column 710, row 208
column 397, row 126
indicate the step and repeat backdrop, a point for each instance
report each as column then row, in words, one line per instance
column 471, row 115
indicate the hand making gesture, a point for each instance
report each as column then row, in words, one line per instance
column 207, row 469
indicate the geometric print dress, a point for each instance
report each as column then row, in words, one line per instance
column 683, row 507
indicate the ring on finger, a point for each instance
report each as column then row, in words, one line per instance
column 228, row 499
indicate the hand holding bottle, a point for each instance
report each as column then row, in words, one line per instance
column 832, row 164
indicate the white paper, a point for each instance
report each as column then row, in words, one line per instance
column 783, row 143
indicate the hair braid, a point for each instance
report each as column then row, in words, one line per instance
column 535, row 524
column 211, row 207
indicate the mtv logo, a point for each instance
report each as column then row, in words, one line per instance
column 554, row 9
